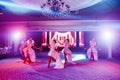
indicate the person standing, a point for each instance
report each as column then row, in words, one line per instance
column 67, row 52
column 92, row 51
column 22, row 46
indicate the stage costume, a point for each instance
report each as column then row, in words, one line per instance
column 67, row 52
column 92, row 51
column 26, row 54
column 55, row 56
column 22, row 46
column 31, row 52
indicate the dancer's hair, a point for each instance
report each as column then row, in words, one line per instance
column 67, row 40
column 54, row 40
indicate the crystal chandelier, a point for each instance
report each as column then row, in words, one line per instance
column 55, row 8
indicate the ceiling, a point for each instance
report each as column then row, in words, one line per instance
column 28, row 10
column 81, row 3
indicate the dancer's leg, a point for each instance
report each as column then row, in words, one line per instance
column 95, row 55
column 89, row 53
column 65, row 57
column 49, row 61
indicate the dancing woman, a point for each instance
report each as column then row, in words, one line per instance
column 29, row 51
column 55, row 56
column 22, row 46
column 92, row 51
column 67, row 52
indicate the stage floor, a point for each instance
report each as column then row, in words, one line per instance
column 15, row 69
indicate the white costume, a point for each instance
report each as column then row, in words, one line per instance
column 29, row 51
column 92, row 50
column 22, row 46
column 67, row 51
column 55, row 55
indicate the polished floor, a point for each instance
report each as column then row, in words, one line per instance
column 15, row 69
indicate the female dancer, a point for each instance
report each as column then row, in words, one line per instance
column 29, row 51
column 92, row 51
column 22, row 46
column 55, row 56
column 67, row 52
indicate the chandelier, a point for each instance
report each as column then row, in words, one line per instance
column 55, row 8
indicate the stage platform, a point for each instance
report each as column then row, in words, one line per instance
column 15, row 69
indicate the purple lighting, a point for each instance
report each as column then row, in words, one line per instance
column 17, row 35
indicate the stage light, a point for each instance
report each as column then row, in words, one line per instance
column 61, row 36
column 76, row 57
column 108, row 35
column 17, row 35
column 108, row 38
column 1, row 13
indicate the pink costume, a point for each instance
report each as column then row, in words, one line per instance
column 55, row 55
column 29, row 51
column 92, row 50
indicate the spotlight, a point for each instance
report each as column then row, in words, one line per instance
column 17, row 35
column 76, row 57
column 107, row 35
column 1, row 9
column 1, row 13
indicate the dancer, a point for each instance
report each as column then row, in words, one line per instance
column 22, row 46
column 92, row 51
column 54, row 55
column 26, row 54
column 29, row 51
column 67, row 52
